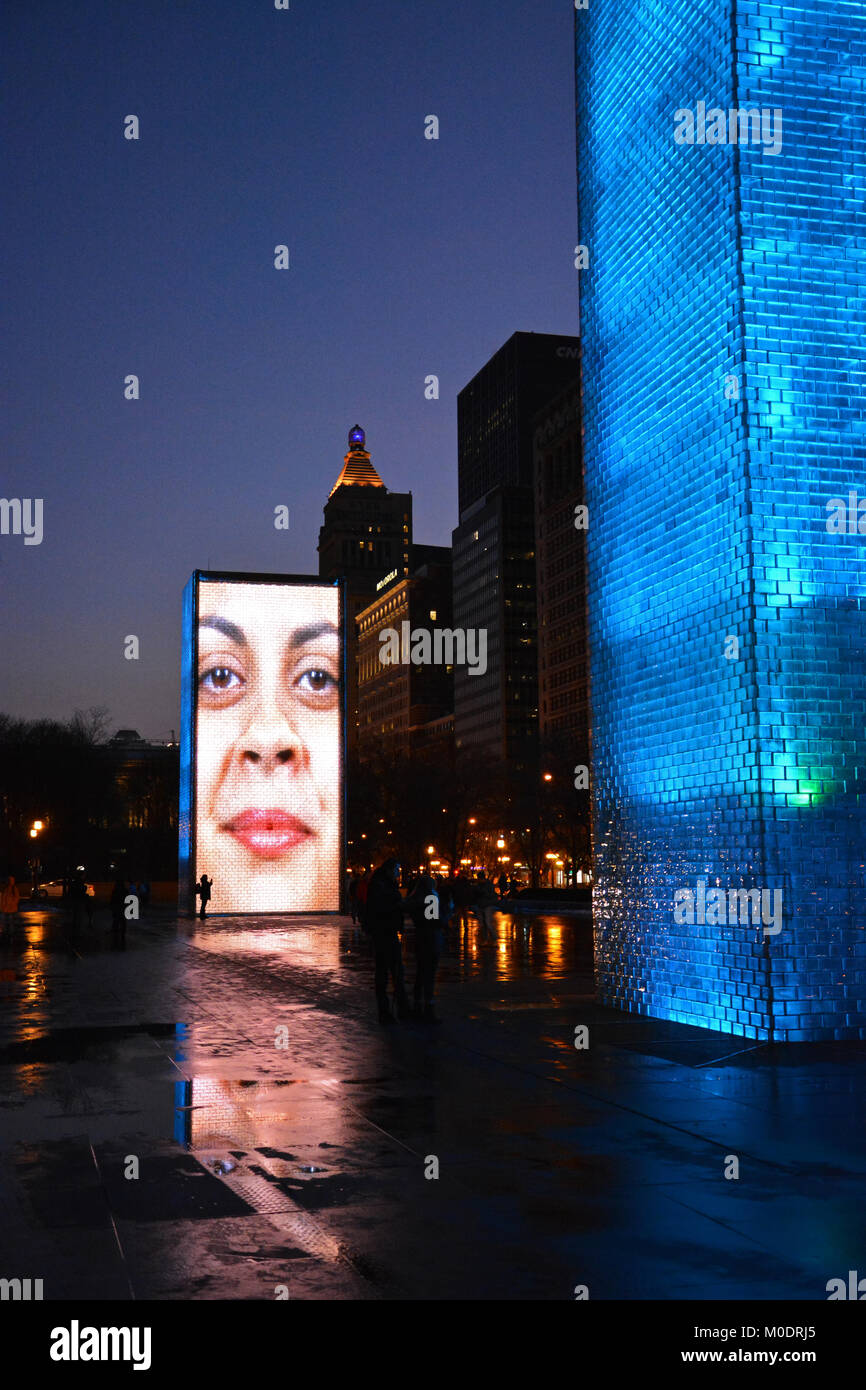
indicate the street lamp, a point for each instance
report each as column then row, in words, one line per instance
column 548, row 776
column 37, row 825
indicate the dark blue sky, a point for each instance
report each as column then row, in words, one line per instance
column 155, row 257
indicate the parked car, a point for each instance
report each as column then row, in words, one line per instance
column 54, row 889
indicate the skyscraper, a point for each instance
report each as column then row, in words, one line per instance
column 494, row 544
column 560, row 558
column 367, row 533
column 721, row 169
column 399, row 700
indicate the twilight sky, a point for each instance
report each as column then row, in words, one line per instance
column 156, row 257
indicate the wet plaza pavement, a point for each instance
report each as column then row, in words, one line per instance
column 306, row 1168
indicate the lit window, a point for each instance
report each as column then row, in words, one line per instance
column 433, row 614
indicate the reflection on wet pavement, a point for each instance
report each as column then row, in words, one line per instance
column 214, row 1112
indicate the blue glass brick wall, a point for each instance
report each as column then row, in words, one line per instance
column 723, row 319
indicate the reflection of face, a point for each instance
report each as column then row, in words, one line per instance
column 268, row 746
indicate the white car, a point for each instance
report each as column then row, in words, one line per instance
column 54, row 889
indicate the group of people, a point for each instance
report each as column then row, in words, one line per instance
column 79, row 898
column 380, row 909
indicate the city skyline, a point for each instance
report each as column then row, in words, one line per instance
column 155, row 257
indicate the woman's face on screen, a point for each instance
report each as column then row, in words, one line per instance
column 268, row 746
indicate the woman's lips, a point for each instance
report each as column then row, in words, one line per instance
column 268, row 833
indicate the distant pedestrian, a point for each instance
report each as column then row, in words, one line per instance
column 424, row 906
column 203, row 888
column 353, row 898
column 502, row 884
column 361, row 892
column 118, row 905
column 461, row 893
column 383, row 919
column 9, row 898
column 77, row 899
column 485, row 904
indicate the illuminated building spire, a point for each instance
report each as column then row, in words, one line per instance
column 357, row 470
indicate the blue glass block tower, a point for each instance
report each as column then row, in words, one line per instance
column 723, row 317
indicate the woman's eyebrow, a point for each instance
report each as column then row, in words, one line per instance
column 302, row 635
column 228, row 629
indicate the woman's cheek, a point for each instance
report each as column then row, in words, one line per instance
column 324, row 746
column 216, row 742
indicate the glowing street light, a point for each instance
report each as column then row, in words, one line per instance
column 33, row 833
column 500, row 843
column 548, row 776
column 37, row 825
column 431, row 849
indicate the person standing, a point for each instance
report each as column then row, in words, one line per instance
column 353, row 897
column 361, row 891
column 486, row 902
column 118, row 905
column 423, row 905
column 77, row 898
column 203, row 890
column 383, row 919
column 9, row 901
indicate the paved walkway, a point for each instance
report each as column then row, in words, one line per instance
column 304, row 1168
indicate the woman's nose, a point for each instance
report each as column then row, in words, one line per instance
column 271, row 742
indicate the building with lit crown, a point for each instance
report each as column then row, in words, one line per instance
column 367, row 532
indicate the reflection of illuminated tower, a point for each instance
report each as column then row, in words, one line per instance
column 366, row 534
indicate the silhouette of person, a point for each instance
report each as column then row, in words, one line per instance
column 118, row 903
column 383, row 919
column 423, row 906
column 9, row 901
column 203, row 888
column 78, row 899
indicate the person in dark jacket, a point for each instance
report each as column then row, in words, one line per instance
column 484, row 905
column 118, row 904
column 202, row 889
column 424, row 905
column 361, row 892
column 383, row 919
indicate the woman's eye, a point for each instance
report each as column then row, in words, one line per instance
column 220, row 679
column 317, row 682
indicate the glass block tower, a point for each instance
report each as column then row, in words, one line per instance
column 722, row 208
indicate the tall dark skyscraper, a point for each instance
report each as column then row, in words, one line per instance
column 560, row 560
column 367, row 534
column 494, row 544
